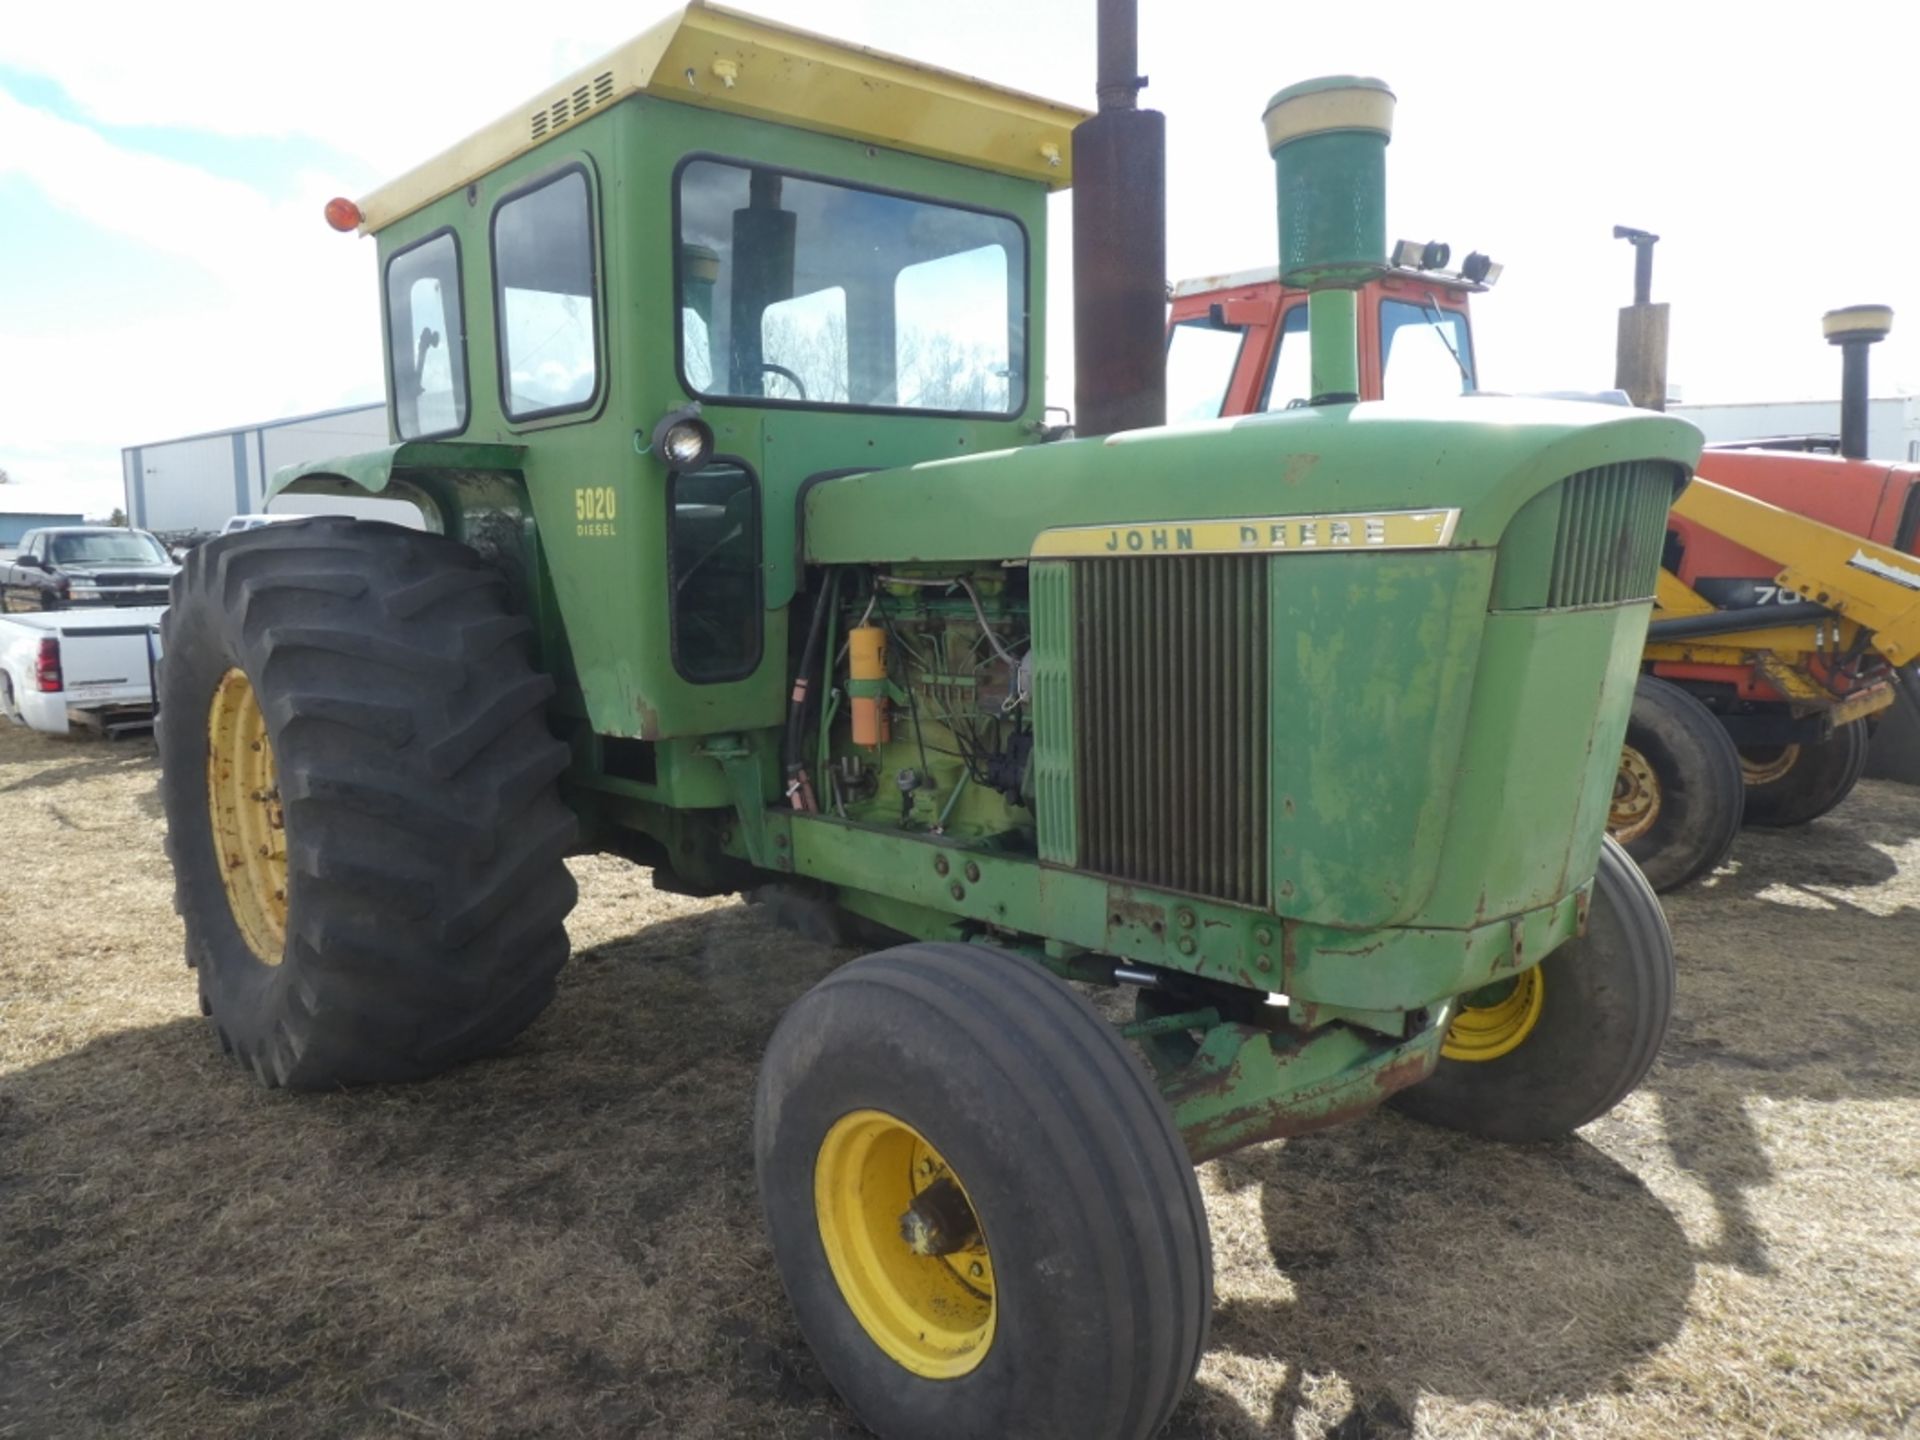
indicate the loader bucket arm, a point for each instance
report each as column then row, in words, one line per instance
column 1876, row 587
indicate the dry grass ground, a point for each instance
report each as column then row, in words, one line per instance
column 564, row 1242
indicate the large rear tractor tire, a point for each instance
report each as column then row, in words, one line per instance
column 1561, row 1044
column 1678, row 797
column 359, row 782
column 980, row 1207
column 1790, row 785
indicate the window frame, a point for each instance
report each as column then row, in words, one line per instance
column 465, row 409
column 1007, row 416
column 758, row 530
column 590, row 407
column 1458, row 317
column 1280, row 333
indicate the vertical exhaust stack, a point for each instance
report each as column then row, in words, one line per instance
column 1120, row 243
column 1329, row 143
column 1640, row 351
column 1855, row 329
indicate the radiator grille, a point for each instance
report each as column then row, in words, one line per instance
column 1170, row 713
column 1613, row 522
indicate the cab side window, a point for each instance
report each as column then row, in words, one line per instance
column 545, row 298
column 426, row 343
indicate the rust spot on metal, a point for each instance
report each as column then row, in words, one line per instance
column 1298, row 468
column 1123, row 909
column 1240, row 1128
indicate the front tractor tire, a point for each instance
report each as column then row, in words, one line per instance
column 1538, row 1056
column 1678, row 796
column 360, row 789
column 1793, row 784
column 980, row 1207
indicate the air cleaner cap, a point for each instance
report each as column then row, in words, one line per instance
column 1870, row 323
column 1329, row 142
column 1330, row 103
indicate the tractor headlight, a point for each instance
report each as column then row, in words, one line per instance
column 682, row 441
column 1480, row 269
column 1413, row 255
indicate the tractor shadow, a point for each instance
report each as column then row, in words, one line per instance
column 1797, row 983
column 564, row 1239
column 1425, row 1262
column 73, row 759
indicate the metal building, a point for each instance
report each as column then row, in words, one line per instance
column 28, row 507
column 198, row 482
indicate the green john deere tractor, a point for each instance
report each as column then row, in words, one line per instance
column 1270, row 721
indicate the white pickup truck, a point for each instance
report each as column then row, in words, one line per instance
column 92, row 667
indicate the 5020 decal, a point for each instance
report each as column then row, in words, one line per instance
column 595, row 508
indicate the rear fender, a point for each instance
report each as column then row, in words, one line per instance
column 473, row 493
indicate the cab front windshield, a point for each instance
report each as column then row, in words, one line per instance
column 799, row 291
column 108, row 547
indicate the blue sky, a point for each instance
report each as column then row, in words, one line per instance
column 164, row 268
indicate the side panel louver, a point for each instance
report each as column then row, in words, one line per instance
column 1612, row 523
column 571, row 107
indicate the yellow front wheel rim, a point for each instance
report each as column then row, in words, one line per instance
column 1636, row 798
column 244, row 811
column 1775, row 767
column 1486, row 1032
column 932, row 1314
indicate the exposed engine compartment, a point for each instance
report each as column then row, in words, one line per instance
column 926, row 723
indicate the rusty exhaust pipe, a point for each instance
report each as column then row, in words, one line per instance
column 1856, row 329
column 1119, row 243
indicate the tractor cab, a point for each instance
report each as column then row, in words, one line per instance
column 1237, row 344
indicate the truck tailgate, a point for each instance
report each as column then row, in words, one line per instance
column 103, row 653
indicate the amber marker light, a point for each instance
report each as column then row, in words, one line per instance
column 343, row 214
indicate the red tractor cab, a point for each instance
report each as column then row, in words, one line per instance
column 1237, row 344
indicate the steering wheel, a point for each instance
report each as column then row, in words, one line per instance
column 785, row 374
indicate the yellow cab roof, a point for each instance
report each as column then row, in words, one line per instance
column 722, row 59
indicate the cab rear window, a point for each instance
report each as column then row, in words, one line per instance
column 426, row 343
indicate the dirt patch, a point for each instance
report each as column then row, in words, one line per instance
column 565, row 1241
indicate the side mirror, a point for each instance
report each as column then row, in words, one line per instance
column 32, row 562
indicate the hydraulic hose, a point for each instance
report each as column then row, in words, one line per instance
column 794, row 757
column 1748, row 617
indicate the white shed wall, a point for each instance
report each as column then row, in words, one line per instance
column 1893, row 423
column 185, row 484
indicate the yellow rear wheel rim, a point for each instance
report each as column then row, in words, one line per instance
column 1765, row 772
column 1636, row 797
column 931, row 1314
column 243, row 808
column 1486, row 1032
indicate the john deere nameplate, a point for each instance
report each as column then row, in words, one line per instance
column 1379, row 530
